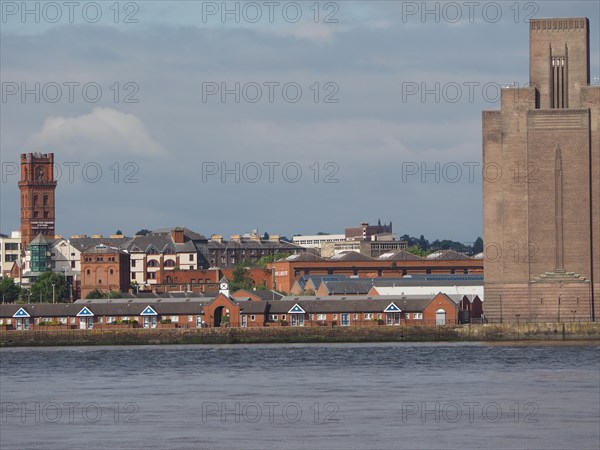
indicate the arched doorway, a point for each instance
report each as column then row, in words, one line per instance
column 440, row 317
column 221, row 317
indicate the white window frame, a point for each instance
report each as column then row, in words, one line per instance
column 321, row 316
column 418, row 316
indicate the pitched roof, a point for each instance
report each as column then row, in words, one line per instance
column 350, row 255
column 399, row 255
column 446, row 255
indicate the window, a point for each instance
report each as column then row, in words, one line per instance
column 133, row 274
column 45, row 200
column 321, row 316
column 133, row 263
column 368, row 316
column 252, row 318
column 191, row 257
column 152, row 263
column 110, row 319
column 273, row 316
column 407, row 316
column 72, row 320
column 355, row 316
column 174, row 318
column 99, row 281
column 283, row 317
column 99, row 319
column 418, row 316
column 35, row 200
column 379, row 316
column 111, row 271
column 46, row 214
column 124, row 318
column 35, row 214
column 335, row 317
column 10, row 258
column 72, row 264
column 190, row 318
column 63, row 320
column 169, row 263
column 312, row 316
column 87, row 272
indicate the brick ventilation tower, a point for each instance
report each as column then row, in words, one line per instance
column 541, row 189
column 37, row 188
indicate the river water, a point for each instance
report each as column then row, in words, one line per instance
column 331, row 396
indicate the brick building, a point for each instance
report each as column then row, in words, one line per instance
column 291, row 269
column 541, row 189
column 37, row 186
column 104, row 268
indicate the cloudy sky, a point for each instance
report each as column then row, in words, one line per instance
column 290, row 117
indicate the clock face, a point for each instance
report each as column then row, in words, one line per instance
column 223, row 285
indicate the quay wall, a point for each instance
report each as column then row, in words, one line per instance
column 589, row 331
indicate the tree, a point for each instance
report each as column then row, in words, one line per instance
column 94, row 293
column 478, row 245
column 423, row 243
column 264, row 260
column 119, row 232
column 143, row 232
column 416, row 250
column 241, row 277
column 97, row 293
column 41, row 289
column 9, row 290
column 266, row 236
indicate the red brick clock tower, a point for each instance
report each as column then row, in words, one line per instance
column 37, row 188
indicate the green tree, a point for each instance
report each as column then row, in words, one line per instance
column 417, row 250
column 97, row 293
column 478, row 245
column 94, row 293
column 423, row 243
column 263, row 261
column 241, row 277
column 9, row 290
column 41, row 289
column 143, row 232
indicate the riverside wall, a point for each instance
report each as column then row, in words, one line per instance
column 576, row 331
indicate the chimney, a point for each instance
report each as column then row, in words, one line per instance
column 177, row 235
column 217, row 238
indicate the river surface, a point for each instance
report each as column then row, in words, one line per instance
column 331, row 396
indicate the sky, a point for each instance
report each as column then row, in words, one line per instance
column 286, row 117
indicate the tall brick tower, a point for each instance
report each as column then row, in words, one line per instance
column 541, row 189
column 37, row 188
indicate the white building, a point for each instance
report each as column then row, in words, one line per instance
column 10, row 248
column 317, row 241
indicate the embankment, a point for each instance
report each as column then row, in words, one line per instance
column 448, row 333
